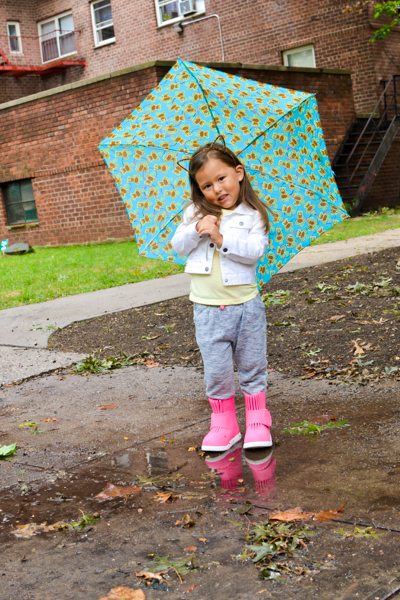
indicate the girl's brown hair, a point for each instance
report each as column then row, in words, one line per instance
column 247, row 194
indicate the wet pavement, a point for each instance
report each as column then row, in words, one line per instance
column 141, row 427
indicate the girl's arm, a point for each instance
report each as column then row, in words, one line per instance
column 248, row 249
column 186, row 237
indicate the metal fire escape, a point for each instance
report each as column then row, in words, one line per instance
column 366, row 145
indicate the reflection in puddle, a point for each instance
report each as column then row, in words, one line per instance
column 157, row 462
column 229, row 467
column 262, row 465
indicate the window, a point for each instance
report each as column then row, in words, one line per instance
column 57, row 37
column 170, row 11
column 299, row 57
column 103, row 27
column 20, row 203
column 14, row 37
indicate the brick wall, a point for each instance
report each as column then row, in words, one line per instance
column 387, row 182
column 254, row 31
column 54, row 140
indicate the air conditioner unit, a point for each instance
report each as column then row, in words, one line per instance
column 187, row 7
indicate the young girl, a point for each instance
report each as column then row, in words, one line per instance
column 224, row 234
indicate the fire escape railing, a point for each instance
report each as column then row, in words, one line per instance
column 377, row 124
column 372, row 144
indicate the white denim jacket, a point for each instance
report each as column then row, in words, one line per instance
column 244, row 243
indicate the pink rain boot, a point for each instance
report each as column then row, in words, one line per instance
column 224, row 431
column 258, row 422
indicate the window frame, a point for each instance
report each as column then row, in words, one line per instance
column 22, row 202
column 98, row 44
column 289, row 51
column 56, row 18
column 18, row 36
column 161, row 23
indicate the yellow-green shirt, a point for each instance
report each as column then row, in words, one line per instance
column 209, row 289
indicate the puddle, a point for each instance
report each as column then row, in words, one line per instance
column 342, row 467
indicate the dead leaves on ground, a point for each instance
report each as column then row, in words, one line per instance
column 164, row 497
column 296, row 514
column 186, row 522
column 360, row 347
column 28, row 530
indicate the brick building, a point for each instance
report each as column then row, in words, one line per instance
column 48, row 142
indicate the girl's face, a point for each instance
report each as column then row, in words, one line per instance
column 219, row 183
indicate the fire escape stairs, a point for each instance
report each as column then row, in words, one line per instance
column 365, row 147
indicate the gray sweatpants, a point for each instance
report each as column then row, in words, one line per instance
column 236, row 334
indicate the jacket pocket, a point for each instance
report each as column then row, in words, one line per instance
column 241, row 222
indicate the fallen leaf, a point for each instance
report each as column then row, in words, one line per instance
column 328, row 515
column 115, row 491
column 124, row 593
column 30, row 529
column 336, row 318
column 191, row 549
column 358, row 350
column 186, row 521
column 192, row 449
column 296, row 514
column 293, row 514
column 361, row 347
column 150, row 364
column 203, row 540
column 149, row 577
column 49, row 420
column 192, row 587
column 107, row 406
column 6, row 451
column 164, row 497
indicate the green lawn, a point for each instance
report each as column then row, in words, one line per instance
column 366, row 225
column 52, row 272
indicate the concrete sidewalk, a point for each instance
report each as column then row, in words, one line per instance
column 24, row 331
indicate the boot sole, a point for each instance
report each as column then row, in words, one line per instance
column 233, row 441
column 257, row 445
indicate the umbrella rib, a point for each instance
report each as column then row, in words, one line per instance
column 133, row 145
column 163, row 227
column 274, row 123
column 204, row 96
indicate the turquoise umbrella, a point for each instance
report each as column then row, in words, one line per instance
column 276, row 133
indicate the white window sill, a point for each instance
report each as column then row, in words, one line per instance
column 180, row 19
column 106, row 43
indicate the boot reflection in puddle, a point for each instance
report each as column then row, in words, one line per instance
column 262, row 465
column 228, row 465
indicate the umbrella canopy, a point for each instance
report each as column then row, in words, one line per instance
column 276, row 133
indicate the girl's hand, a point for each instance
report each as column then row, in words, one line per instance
column 209, row 225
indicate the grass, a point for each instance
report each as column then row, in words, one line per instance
column 369, row 223
column 60, row 271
